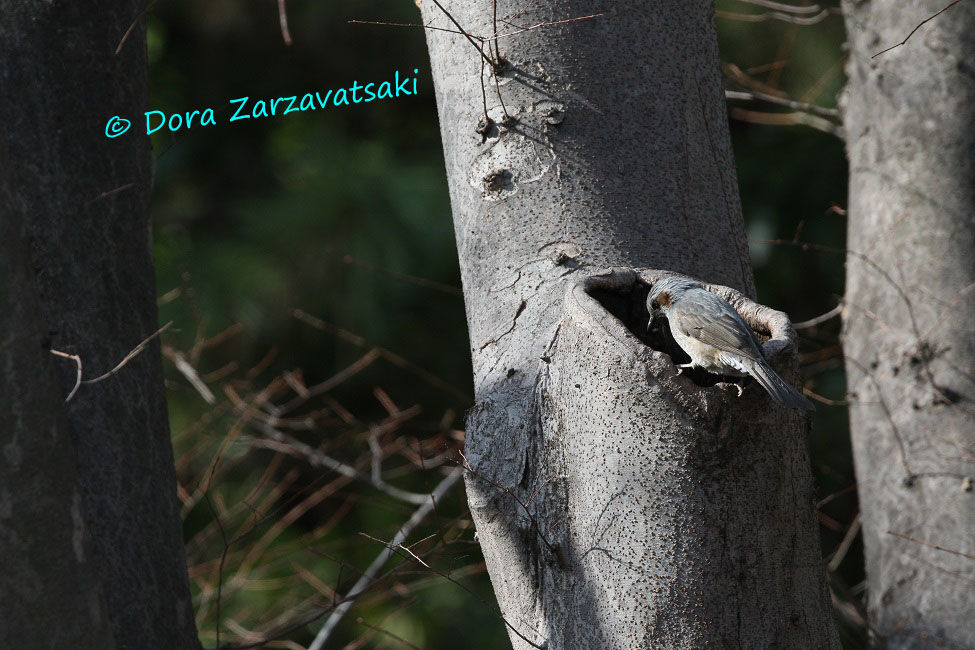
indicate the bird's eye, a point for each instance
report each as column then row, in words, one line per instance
column 654, row 305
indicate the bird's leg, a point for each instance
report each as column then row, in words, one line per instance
column 740, row 389
column 681, row 366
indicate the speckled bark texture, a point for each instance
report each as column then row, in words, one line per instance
column 82, row 199
column 617, row 507
column 908, row 336
column 50, row 596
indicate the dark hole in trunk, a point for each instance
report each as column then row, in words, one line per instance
column 630, row 308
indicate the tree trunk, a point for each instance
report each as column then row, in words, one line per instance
column 616, row 504
column 907, row 333
column 83, row 200
column 50, row 594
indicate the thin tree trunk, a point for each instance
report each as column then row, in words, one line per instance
column 908, row 337
column 616, row 504
column 83, row 200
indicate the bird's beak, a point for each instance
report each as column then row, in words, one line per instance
column 654, row 315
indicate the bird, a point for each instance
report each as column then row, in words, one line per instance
column 716, row 337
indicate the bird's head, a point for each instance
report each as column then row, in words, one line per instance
column 664, row 293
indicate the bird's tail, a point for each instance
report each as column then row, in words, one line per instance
column 779, row 389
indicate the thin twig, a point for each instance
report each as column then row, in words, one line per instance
column 389, row 355
column 907, row 38
column 487, row 118
column 369, row 575
column 283, row 19
column 519, row 30
column 813, row 322
column 415, row 557
column 186, row 369
column 338, row 378
column 131, row 355
column 548, row 24
column 789, row 119
column 452, row 580
column 376, row 628
column 911, row 476
column 128, row 357
column 223, row 559
column 108, row 193
column 844, row 546
column 467, row 35
column 970, row 556
column 405, row 277
column 385, row 24
column 825, row 400
column 77, row 379
column 835, row 495
column 828, row 113
column 494, row 34
column 497, row 85
column 538, row 531
column 774, row 15
column 135, row 22
column 778, row 6
column 282, row 442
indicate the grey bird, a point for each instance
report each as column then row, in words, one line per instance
column 716, row 337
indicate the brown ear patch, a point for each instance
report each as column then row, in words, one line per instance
column 663, row 299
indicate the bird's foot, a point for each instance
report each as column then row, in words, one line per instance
column 738, row 387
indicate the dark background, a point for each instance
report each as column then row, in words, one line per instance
column 344, row 214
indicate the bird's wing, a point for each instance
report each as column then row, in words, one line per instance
column 716, row 323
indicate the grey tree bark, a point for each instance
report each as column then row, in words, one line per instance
column 908, row 337
column 617, row 504
column 83, row 201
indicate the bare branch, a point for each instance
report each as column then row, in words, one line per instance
column 828, row 113
column 370, row 573
column 128, row 357
column 135, row 22
column 970, row 556
column 538, row 531
column 478, row 46
column 844, row 546
column 187, row 370
column 77, row 362
column 330, row 383
column 790, row 9
column 907, row 38
column 383, row 631
column 280, row 441
column 385, row 24
column 774, row 15
column 283, row 19
column 405, row 277
column 813, row 322
column 389, row 355
column 788, row 119
column 495, row 37
column 549, row 24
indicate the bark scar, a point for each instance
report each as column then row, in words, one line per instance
column 510, row 329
